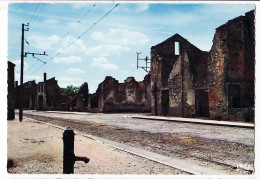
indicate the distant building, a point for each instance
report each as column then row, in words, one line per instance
column 49, row 96
column 80, row 101
column 29, row 95
column 130, row 96
column 45, row 95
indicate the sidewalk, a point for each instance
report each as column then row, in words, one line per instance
column 196, row 121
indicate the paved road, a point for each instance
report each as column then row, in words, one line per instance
column 231, row 134
column 227, row 149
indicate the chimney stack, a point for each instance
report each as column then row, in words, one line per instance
column 45, row 77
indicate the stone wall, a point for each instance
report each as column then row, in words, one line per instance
column 130, row 96
column 231, row 70
column 177, row 76
column 29, row 95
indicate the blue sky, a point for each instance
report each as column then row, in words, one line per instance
column 110, row 47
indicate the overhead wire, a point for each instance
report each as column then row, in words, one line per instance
column 78, row 37
column 34, row 12
column 87, row 13
column 79, row 21
column 30, row 48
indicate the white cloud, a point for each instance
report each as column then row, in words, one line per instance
column 54, row 44
column 80, row 5
column 68, row 60
column 75, row 71
column 106, row 49
column 120, row 37
column 115, row 41
column 66, row 81
column 98, row 35
column 71, row 45
column 142, row 7
column 133, row 8
column 43, row 42
column 74, row 25
column 103, row 63
column 51, row 21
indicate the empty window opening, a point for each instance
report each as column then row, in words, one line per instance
column 177, row 48
column 234, row 96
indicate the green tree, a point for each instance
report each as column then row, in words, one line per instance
column 70, row 90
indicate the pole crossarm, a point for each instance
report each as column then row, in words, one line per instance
column 29, row 53
column 147, row 66
column 33, row 54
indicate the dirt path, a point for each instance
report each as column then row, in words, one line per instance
column 37, row 148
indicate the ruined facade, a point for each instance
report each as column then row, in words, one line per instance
column 45, row 95
column 231, row 70
column 80, row 101
column 130, row 96
column 219, row 84
column 10, row 91
column 178, row 78
column 49, row 96
column 29, row 95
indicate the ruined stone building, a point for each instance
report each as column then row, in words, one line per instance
column 130, row 96
column 45, row 95
column 219, row 84
column 178, row 78
column 49, row 96
column 231, row 70
column 29, row 95
column 10, row 91
column 80, row 101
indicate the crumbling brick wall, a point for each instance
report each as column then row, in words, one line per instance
column 130, row 96
column 29, row 95
column 231, row 70
column 176, row 76
column 49, row 96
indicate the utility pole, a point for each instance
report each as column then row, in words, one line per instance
column 147, row 66
column 21, row 75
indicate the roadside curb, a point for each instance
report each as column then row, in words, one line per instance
column 199, row 121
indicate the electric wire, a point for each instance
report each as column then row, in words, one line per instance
column 79, row 36
column 87, row 13
column 29, row 47
column 34, row 12
column 79, row 21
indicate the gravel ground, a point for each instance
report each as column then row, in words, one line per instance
column 38, row 148
column 228, row 157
